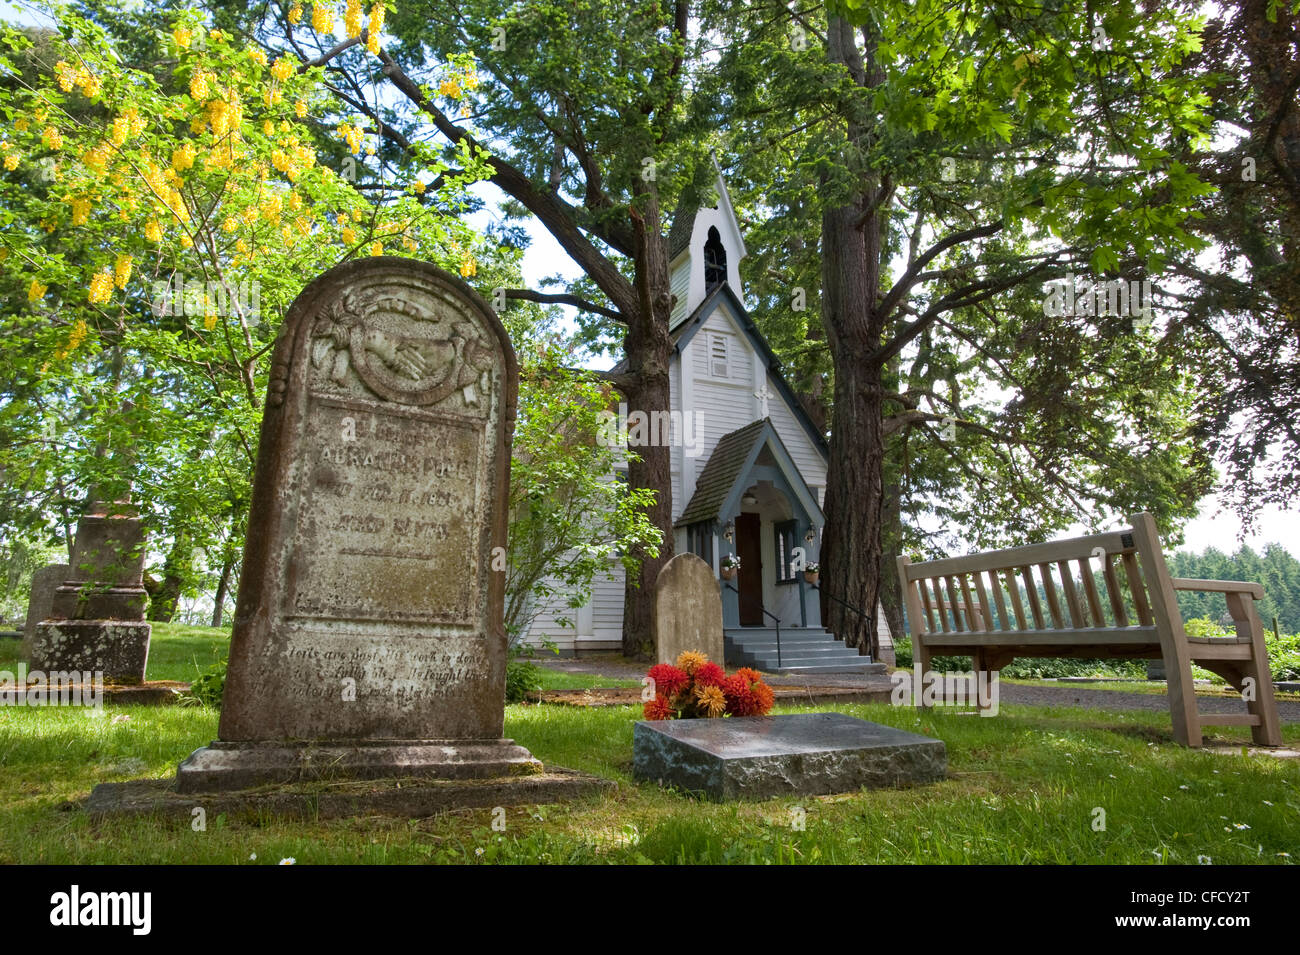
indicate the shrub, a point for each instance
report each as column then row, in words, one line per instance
column 522, row 677
column 207, row 688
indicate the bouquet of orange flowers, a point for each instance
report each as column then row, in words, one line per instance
column 696, row 687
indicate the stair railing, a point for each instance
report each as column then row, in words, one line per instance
column 774, row 617
column 843, row 603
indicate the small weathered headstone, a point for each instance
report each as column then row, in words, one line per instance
column 688, row 610
column 756, row 757
column 40, row 599
column 1156, row 669
column 368, row 638
column 96, row 619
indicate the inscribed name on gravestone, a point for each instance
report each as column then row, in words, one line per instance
column 368, row 608
column 688, row 610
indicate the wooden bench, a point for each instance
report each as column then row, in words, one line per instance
column 988, row 606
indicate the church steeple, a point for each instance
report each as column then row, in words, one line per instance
column 705, row 248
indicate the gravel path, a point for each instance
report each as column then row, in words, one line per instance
column 1288, row 710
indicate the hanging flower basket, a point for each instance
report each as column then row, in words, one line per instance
column 730, row 566
column 811, row 572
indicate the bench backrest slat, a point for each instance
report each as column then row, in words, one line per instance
column 1049, row 591
column 996, row 585
column 1013, row 590
column 1090, row 591
column 1031, row 591
column 1113, row 591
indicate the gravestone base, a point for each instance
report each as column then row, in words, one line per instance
column 409, row 798
column 758, row 757
column 118, row 648
column 230, row 766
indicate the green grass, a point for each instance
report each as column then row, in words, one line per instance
column 558, row 680
column 1022, row 788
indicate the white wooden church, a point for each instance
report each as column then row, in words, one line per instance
column 748, row 477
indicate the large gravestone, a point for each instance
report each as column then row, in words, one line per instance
column 368, row 639
column 40, row 599
column 96, row 618
column 688, row 609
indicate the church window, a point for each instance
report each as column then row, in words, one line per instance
column 715, row 261
column 718, row 355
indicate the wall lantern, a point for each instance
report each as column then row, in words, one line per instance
column 729, row 531
column 810, row 536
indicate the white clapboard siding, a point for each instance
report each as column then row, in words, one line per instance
column 607, row 608
column 805, row 454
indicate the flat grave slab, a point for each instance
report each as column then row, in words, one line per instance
column 757, row 757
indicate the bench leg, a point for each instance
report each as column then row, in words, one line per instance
column 1269, row 730
column 1182, row 699
column 920, row 667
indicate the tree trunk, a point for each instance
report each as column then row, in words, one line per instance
column 649, row 353
column 851, row 251
column 223, row 587
column 163, row 599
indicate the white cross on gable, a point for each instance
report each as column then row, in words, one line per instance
column 764, row 396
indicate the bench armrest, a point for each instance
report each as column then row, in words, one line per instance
column 1218, row 586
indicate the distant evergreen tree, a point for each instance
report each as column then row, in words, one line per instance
column 1276, row 570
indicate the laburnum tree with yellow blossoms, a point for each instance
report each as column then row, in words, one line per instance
column 157, row 217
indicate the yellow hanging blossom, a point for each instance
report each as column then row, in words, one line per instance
column 268, row 128
column 52, row 138
column 183, row 157
column 322, row 18
column 300, row 108
column 210, row 321
column 186, row 241
column 122, row 271
column 80, row 210
column 230, row 224
column 119, row 130
column 352, row 18
column 101, row 287
column 376, row 248
column 295, row 13
column 10, row 160
column 356, row 215
column 153, row 231
column 76, row 335
column 21, row 124
column 199, row 85
column 89, row 83
column 257, row 56
column 419, row 187
column 36, row 291
column 66, row 75
column 450, row 88
column 295, row 201
column 182, row 36
column 468, row 267
column 349, row 235
column 96, row 159
column 282, row 69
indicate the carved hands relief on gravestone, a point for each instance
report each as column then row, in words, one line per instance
column 367, row 608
